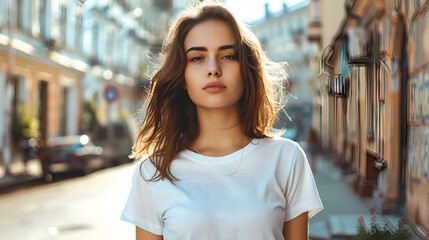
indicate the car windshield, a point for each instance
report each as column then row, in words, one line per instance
column 102, row 133
column 67, row 147
column 119, row 131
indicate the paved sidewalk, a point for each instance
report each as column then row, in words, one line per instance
column 20, row 173
column 342, row 207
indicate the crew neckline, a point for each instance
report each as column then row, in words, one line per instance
column 235, row 156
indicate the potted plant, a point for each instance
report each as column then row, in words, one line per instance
column 377, row 231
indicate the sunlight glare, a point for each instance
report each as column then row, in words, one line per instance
column 255, row 9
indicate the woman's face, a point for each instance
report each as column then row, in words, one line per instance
column 212, row 72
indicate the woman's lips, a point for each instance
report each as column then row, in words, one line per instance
column 214, row 87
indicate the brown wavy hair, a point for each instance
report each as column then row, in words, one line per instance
column 170, row 124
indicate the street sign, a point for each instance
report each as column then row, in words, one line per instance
column 111, row 93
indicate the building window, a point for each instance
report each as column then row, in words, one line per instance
column 20, row 14
column 4, row 15
column 24, row 14
column 95, row 40
column 63, row 19
column 79, row 31
column 109, row 42
column 314, row 14
column 42, row 17
column 64, row 106
column 115, row 46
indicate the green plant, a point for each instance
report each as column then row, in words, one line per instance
column 91, row 115
column 381, row 232
column 24, row 125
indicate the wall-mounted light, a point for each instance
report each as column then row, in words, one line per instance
column 135, row 13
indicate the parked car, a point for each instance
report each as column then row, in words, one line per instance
column 71, row 153
column 116, row 139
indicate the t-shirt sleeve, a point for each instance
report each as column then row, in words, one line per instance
column 301, row 191
column 141, row 209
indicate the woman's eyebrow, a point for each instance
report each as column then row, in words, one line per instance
column 226, row 47
column 196, row 49
column 204, row 49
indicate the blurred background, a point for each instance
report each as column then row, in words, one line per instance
column 73, row 75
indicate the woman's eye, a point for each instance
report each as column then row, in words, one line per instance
column 195, row 59
column 229, row 57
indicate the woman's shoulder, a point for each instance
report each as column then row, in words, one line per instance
column 283, row 146
column 145, row 167
column 280, row 142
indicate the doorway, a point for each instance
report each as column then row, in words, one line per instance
column 43, row 110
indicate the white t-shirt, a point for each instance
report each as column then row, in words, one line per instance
column 273, row 184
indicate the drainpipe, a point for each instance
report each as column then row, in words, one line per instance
column 404, row 122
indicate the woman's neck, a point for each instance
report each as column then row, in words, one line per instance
column 221, row 132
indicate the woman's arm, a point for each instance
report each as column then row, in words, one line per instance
column 297, row 228
column 145, row 235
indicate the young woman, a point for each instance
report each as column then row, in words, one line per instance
column 213, row 170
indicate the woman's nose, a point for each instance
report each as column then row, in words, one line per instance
column 214, row 68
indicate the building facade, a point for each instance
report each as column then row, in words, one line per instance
column 283, row 36
column 371, row 82
column 65, row 65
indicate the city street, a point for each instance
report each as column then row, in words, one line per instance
column 89, row 207
column 72, row 207
column 350, row 78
